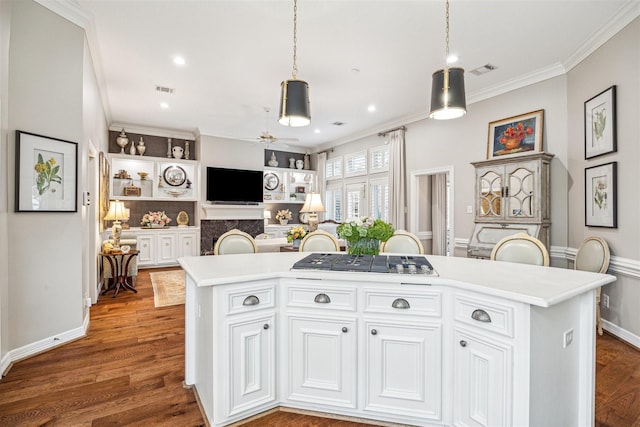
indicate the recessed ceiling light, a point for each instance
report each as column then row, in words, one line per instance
column 452, row 59
column 179, row 60
column 164, row 105
column 316, row 131
column 371, row 108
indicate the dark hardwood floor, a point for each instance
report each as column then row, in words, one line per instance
column 130, row 368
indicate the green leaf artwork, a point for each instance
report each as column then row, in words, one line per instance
column 47, row 174
column 600, row 195
column 599, row 123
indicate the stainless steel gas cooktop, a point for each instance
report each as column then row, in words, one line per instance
column 399, row 264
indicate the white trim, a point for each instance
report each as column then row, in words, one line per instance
column 617, row 265
column 169, row 133
column 425, row 235
column 68, row 10
column 413, row 199
column 461, row 243
column 212, row 211
column 47, row 343
column 621, row 333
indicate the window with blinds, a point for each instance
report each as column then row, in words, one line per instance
column 379, row 159
column 333, row 168
column 333, row 203
column 354, row 196
column 379, row 199
column 355, row 164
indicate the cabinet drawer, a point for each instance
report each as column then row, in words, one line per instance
column 403, row 303
column 322, row 296
column 485, row 314
column 257, row 297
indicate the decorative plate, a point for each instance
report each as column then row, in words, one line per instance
column 271, row 181
column 174, row 176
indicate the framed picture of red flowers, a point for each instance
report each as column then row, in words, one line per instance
column 515, row 135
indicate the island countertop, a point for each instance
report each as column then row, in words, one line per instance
column 539, row 286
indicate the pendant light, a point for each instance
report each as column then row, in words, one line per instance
column 294, row 98
column 447, row 88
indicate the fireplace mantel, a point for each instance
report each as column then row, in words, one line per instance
column 225, row 212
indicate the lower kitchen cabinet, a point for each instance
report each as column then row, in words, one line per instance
column 482, row 380
column 322, row 360
column 252, row 362
column 403, row 373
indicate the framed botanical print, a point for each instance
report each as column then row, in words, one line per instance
column 600, row 184
column 46, row 174
column 600, row 124
column 515, row 135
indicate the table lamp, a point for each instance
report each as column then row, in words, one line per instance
column 313, row 205
column 117, row 212
column 267, row 217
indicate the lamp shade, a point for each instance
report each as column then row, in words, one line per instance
column 448, row 104
column 117, row 211
column 295, row 110
column 313, row 203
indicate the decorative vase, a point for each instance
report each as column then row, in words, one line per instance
column 296, row 243
column 364, row 247
column 122, row 140
column 141, row 147
column 132, row 149
column 299, row 164
column 169, row 148
column 512, row 143
column 292, row 163
column 284, row 221
column 273, row 162
column 177, row 152
column 187, row 152
column 307, row 164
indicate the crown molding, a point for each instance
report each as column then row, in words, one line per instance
column 68, row 10
column 622, row 18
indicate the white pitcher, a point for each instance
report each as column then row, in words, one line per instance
column 177, row 152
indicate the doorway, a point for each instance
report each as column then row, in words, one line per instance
column 432, row 209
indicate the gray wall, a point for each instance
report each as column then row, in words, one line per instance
column 617, row 62
column 45, row 96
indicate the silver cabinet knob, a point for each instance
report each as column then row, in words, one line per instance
column 481, row 316
column 463, row 343
column 266, row 326
column 374, row 332
column 345, row 329
column 400, row 303
column 251, row 300
column 322, row 299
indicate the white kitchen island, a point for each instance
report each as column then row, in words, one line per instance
column 483, row 343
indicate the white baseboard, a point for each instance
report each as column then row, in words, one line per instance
column 623, row 334
column 45, row 344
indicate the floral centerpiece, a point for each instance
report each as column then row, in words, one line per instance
column 295, row 235
column 155, row 219
column 283, row 215
column 363, row 235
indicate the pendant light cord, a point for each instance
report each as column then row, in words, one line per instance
column 295, row 40
column 446, row 60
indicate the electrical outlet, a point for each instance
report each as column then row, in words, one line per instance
column 568, row 338
column 605, row 300
column 469, row 209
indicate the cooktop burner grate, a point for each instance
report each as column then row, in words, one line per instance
column 400, row 264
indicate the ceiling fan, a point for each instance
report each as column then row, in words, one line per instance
column 266, row 137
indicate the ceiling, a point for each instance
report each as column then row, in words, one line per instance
column 353, row 53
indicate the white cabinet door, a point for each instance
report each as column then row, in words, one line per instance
column 482, row 380
column 252, row 363
column 147, row 248
column 404, row 369
column 322, row 361
column 166, row 248
column 187, row 244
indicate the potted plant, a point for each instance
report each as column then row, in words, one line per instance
column 293, row 196
column 283, row 215
column 363, row 235
column 295, row 235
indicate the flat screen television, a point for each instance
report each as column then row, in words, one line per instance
column 234, row 186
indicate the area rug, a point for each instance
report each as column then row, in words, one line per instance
column 168, row 287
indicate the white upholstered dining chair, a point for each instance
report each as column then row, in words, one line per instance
column 403, row 242
column 235, row 242
column 319, row 241
column 593, row 255
column 521, row 248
